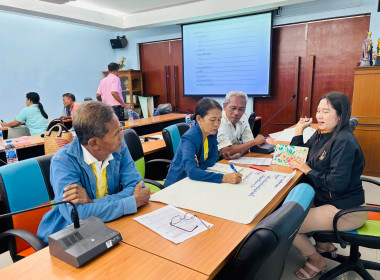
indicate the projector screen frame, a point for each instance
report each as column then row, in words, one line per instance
column 226, row 18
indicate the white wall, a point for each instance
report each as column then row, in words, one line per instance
column 51, row 58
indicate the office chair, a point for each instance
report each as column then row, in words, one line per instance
column 172, row 134
column 263, row 252
column 353, row 123
column 251, row 121
column 367, row 236
column 18, row 131
column 135, row 148
column 24, row 185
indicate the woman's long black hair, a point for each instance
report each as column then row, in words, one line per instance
column 35, row 98
column 342, row 106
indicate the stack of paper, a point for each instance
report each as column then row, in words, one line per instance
column 252, row 161
column 287, row 134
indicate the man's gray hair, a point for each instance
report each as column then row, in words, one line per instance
column 235, row 93
column 90, row 120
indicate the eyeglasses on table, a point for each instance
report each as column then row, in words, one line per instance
column 187, row 217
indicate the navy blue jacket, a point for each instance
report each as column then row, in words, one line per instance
column 184, row 164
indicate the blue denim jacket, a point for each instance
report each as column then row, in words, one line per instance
column 68, row 167
column 184, row 163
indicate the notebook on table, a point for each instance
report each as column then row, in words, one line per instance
column 284, row 153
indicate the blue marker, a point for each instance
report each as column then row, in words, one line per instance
column 233, row 168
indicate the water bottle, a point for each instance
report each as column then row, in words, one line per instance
column 73, row 133
column 188, row 120
column 10, row 152
column 130, row 116
column 1, row 135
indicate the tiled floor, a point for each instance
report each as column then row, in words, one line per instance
column 295, row 260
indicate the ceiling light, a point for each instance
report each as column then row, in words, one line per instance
column 57, row 1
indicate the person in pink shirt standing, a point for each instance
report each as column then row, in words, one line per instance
column 70, row 106
column 109, row 91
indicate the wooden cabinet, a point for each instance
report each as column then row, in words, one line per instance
column 131, row 85
column 366, row 107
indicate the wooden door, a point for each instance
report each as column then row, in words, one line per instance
column 336, row 46
column 153, row 58
column 287, row 70
column 310, row 60
column 161, row 63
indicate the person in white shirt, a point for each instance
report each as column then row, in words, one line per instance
column 235, row 137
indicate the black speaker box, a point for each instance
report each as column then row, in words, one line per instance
column 119, row 42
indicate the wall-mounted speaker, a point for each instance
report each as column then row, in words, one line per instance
column 119, row 42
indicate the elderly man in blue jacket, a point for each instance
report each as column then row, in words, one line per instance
column 95, row 171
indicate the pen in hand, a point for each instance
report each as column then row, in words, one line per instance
column 233, row 168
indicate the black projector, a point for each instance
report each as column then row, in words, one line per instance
column 76, row 246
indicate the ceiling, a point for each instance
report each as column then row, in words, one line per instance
column 136, row 14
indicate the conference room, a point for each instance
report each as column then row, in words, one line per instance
column 284, row 54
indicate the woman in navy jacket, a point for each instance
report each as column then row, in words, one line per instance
column 334, row 166
column 198, row 148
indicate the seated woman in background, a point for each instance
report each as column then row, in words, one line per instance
column 198, row 148
column 33, row 115
column 334, row 166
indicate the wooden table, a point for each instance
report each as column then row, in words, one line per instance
column 153, row 146
column 154, row 124
column 122, row 262
column 209, row 251
column 200, row 257
column 34, row 147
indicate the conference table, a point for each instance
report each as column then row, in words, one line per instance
column 33, row 146
column 201, row 256
column 122, row 262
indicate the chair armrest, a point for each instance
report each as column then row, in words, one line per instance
column 346, row 211
column 154, row 183
column 36, row 243
column 364, row 179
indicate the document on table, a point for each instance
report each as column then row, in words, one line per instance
column 252, row 161
column 155, row 137
column 223, row 168
column 288, row 134
column 235, row 202
column 159, row 221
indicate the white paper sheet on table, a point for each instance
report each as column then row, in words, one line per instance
column 288, row 134
column 223, row 168
column 155, row 137
column 252, row 161
column 236, row 202
column 159, row 221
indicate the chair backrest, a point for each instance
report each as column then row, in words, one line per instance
column 22, row 186
column 353, row 123
column 263, row 252
column 251, row 120
column 172, row 135
column 135, row 149
column 18, row 131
